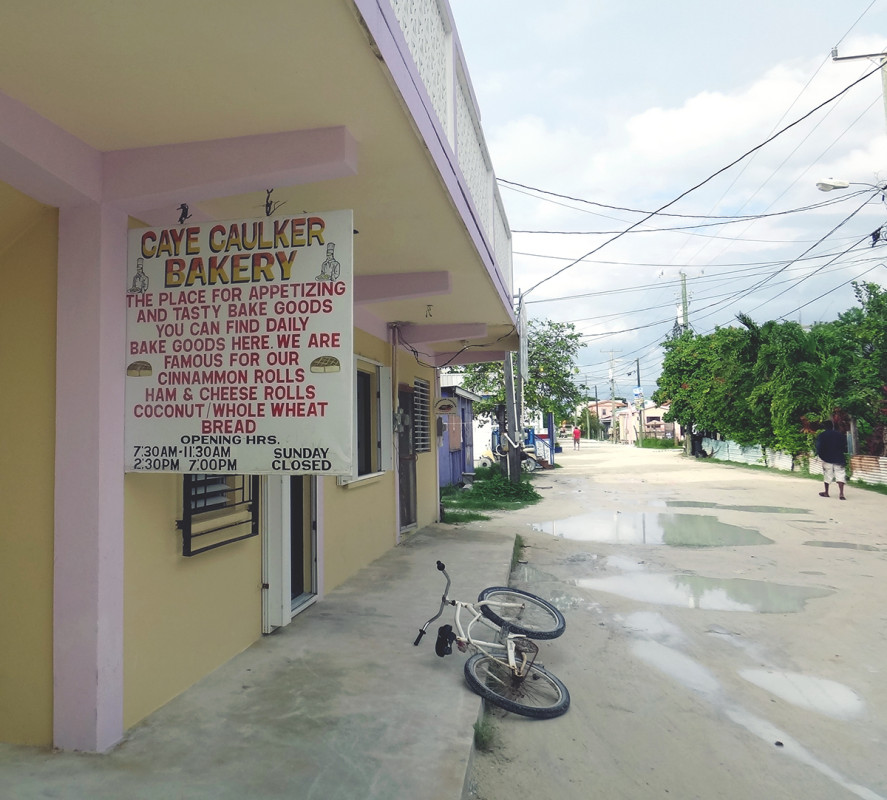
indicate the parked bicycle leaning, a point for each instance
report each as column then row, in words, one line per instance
column 504, row 670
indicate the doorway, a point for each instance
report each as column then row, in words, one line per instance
column 289, row 548
column 302, row 561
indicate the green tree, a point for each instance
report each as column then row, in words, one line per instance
column 772, row 384
column 863, row 332
column 552, row 348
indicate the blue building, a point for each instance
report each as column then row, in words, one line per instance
column 455, row 452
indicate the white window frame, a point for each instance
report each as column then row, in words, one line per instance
column 384, row 417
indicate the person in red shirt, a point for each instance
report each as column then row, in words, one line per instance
column 576, row 434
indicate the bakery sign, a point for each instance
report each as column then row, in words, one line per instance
column 239, row 346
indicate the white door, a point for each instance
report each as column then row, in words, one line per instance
column 289, row 548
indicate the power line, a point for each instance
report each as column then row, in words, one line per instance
column 724, row 219
column 706, row 180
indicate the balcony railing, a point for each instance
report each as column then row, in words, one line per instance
column 427, row 27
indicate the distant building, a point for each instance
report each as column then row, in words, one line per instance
column 629, row 419
column 456, row 451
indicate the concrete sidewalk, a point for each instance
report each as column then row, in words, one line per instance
column 337, row 706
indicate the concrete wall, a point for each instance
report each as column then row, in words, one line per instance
column 28, row 262
column 183, row 616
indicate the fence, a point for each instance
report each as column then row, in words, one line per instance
column 868, row 469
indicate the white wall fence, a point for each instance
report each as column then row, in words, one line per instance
column 868, row 469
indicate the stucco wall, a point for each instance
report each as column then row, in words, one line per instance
column 27, row 443
column 358, row 519
column 183, row 616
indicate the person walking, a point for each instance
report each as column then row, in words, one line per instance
column 831, row 447
column 577, row 433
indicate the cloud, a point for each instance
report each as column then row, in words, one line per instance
column 554, row 124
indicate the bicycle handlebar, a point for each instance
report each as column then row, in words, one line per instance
column 444, row 602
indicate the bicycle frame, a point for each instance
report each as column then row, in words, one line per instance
column 504, row 640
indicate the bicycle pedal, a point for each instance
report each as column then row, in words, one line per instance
column 445, row 638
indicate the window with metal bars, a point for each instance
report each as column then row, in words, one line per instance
column 421, row 416
column 218, row 510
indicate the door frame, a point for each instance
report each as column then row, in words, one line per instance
column 278, row 606
column 407, row 463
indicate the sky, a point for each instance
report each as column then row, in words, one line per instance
column 632, row 106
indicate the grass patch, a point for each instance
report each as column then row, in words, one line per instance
column 658, row 444
column 484, row 733
column 490, row 491
column 517, row 552
column 453, row 515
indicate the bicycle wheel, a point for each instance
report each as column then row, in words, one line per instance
column 540, row 694
column 522, row 612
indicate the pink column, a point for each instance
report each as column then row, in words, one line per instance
column 88, row 599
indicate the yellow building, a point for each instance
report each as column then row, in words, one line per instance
column 121, row 589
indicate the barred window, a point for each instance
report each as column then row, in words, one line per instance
column 218, row 510
column 421, row 421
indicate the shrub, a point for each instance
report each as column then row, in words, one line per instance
column 658, row 444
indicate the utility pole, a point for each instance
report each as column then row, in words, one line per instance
column 612, row 395
column 685, row 306
column 641, row 423
column 512, row 453
column 882, row 56
column 597, row 408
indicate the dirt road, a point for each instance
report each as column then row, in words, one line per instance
column 726, row 635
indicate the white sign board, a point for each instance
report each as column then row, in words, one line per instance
column 240, row 345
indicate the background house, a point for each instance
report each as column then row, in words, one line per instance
column 456, row 453
column 654, row 427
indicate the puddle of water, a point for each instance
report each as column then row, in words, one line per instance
column 676, row 530
column 712, row 594
column 846, row 545
column 678, row 666
column 814, row 694
column 768, row 732
column 751, row 509
column 652, row 625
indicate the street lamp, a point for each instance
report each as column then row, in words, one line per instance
column 830, row 184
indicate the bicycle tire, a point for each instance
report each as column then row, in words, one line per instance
column 529, row 464
column 536, row 618
column 539, row 695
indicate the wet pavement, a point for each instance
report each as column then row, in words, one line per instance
column 726, row 638
column 726, row 634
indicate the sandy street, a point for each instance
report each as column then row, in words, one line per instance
column 726, row 635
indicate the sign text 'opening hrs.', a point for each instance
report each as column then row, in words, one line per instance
column 240, row 345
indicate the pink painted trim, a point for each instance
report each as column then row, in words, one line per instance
column 369, row 323
column 400, row 286
column 427, row 334
column 44, row 161
column 468, row 357
column 385, row 30
column 88, row 548
column 150, row 177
